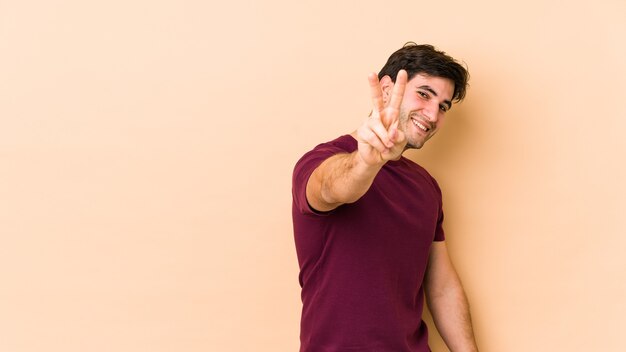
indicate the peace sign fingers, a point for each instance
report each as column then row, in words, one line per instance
column 379, row 137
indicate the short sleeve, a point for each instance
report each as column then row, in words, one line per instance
column 303, row 170
column 439, row 233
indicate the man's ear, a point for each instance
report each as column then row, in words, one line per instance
column 386, row 85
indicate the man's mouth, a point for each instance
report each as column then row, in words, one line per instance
column 420, row 125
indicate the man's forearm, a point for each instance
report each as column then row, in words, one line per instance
column 342, row 178
column 451, row 314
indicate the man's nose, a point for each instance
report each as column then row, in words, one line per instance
column 431, row 112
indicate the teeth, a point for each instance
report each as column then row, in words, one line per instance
column 422, row 127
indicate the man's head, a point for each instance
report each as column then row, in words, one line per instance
column 425, row 59
column 435, row 80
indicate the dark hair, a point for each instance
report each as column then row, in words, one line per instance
column 426, row 59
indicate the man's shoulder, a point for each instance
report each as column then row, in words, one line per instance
column 417, row 170
column 414, row 166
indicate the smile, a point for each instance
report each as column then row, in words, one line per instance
column 420, row 125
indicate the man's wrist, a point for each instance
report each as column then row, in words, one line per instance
column 363, row 167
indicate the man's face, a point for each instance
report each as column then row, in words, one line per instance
column 424, row 105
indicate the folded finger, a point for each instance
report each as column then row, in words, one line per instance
column 381, row 132
column 368, row 136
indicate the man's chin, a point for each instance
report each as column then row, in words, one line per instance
column 415, row 144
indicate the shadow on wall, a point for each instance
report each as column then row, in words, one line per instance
column 450, row 142
column 469, row 125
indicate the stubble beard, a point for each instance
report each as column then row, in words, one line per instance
column 404, row 121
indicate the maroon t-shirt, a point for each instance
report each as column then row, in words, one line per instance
column 362, row 264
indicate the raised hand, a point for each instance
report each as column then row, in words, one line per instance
column 379, row 138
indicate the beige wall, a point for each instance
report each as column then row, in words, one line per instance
column 146, row 150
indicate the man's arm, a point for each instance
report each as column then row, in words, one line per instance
column 340, row 179
column 344, row 178
column 447, row 301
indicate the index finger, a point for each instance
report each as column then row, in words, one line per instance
column 376, row 92
column 398, row 90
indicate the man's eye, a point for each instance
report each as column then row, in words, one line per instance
column 443, row 108
column 422, row 94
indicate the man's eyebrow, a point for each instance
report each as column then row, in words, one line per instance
column 432, row 91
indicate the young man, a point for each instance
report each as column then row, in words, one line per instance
column 368, row 221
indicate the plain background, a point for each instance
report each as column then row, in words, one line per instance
column 146, row 150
